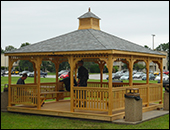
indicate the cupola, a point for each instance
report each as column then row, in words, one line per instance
column 89, row 21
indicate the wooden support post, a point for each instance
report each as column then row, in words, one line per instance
column 161, row 79
column 110, row 68
column 101, row 67
column 57, row 84
column 147, row 81
column 76, row 71
column 71, row 62
column 101, row 76
column 9, row 80
column 131, row 73
column 35, row 75
column 56, row 68
column 38, row 64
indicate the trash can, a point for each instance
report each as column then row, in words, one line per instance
column 166, row 98
column 133, row 105
column 4, row 98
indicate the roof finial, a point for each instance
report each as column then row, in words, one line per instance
column 89, row 9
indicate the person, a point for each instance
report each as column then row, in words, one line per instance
column 66, row 81
column 83, row 76
column 21, row 80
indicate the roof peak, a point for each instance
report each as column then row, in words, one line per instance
column 89, row 9
column 89, row 14
column 89, row 21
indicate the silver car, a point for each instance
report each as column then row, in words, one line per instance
column 138, row 75
column 125, row 77
column 25, row 71
column 165, row 77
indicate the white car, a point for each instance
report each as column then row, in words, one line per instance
column 165, row 77
column 6, row 72
column 138, row 75
column 125, row 77
column 23, row 72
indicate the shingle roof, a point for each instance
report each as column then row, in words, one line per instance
column 88, row 15
column 84, row 40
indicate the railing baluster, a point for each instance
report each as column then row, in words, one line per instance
column 97, row 98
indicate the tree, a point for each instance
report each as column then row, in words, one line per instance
column 51, row 67
column 163, row 47
column 138, row 66
column 25, row 44
column 26, row 65
column 94, row 68
column 147, row 47
column 44, row 65
column 2, row 51
column 124, row 66
column 64, row 66
column 10, row 48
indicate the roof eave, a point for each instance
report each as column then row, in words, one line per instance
column 87, row 52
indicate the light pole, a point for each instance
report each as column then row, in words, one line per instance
column 153, row 41
column 153, row 49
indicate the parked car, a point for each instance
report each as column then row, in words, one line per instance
column 2, row 72
column 138, row 75
column 156, row 73
column 30, row 74
column 25, row 71
column 117, row 75
column 6, row 72
column 165, row 82
column 43, row 74
column 64, row 75
column 166, row 72
column 151, row 77
column 165, row 77
column 14, row 72
column 125, row 76
column 112, row 76
column 62, row 71
column 150, row 71
column 134, row 71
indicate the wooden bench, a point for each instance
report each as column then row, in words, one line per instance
column 54, row 92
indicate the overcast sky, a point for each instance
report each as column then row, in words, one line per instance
column 34, row 21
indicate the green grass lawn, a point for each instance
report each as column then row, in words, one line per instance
column 27, row 121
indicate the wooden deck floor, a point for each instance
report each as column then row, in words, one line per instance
column 62, row 108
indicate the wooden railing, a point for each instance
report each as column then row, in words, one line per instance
column 27, row 94
column 90, row 98
column 24, row 94
column 93, row 97
column 118, row 97
column 155, row 93
column 105, row 84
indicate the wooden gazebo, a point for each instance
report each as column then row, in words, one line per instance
column 104, row 100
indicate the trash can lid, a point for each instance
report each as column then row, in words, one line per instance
column 132, row 90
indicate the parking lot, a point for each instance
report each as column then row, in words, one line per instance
column 91, row 76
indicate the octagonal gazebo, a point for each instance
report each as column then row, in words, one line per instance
column 104, row 100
